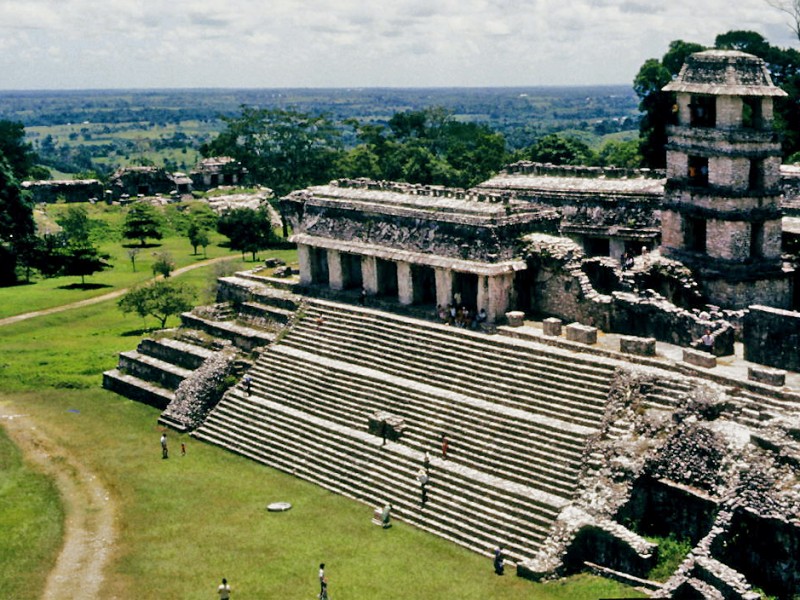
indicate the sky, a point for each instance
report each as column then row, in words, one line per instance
column 103, row 44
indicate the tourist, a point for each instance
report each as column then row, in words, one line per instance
column 426, row 462
column 707, row 341
column 441, row 313
column 164, row 451
column 386, row 516
column 445, row 446
column 248, row 382
column 323, row 594
column 362, row 297
column 422, row 477
column 183, row 449
column 499, row 567
column 629, row 261
column 322, row 584
column 482, row 316
column 452, row 317
column 224, row 590
column 384, row 431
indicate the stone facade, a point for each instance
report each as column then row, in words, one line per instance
column 721, row 212
column 72, row 190
column 131, row 182
column 216, row 171
column 772, row 337
column 417, row 244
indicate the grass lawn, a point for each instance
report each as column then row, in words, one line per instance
column 186, row 522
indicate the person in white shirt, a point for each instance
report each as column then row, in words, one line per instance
column 224, row 590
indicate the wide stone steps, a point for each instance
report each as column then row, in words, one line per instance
column 265, row 311
column 152, row 369
column 137, row 389
column 244, row 338
column 182, row 354
column 564, row 441
column 482, row 446
column 465, row 344
column 585, row 411
column 472, row 509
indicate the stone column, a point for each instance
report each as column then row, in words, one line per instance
column 304, row 258
column 405, row 283
column 444, row 286
column 369, row 274
column 335, row 270
column 483, row 293
column 499, row 295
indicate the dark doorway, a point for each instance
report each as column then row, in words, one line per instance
column 465, row 287
column 424, row 282
column 695, row 234
column 318, row 257
column 351, row 271
column 703, row 111
column 387, row 277
column 594, row 246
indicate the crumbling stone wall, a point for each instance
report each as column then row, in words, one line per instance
column 561, row 286
column 78, row 190
column 772, row 337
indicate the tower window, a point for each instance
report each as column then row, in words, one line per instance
column 752, row 117
column 756, row 177
column 756, row 240
column 698, row 171
column 695, row 234
column 703, row 111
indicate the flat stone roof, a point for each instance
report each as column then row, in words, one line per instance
column 638, row 186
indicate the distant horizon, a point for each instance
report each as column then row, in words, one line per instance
column 317, row 88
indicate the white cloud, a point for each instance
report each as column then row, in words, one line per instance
column 149, row 43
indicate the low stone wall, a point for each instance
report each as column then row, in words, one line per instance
column 772, row 337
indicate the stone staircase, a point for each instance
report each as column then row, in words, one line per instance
column 518, row 418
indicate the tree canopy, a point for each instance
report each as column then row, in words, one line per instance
column 160, row 299
column 248, row 230
column 16, row 223
column 141, row 222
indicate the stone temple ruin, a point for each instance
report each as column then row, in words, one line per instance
column 589, row 428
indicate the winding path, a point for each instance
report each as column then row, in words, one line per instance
column 90, row 512
column 103, row 298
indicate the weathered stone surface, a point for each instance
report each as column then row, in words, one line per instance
column 638, row 345
column 698, row 358
column 384, row 424
column 772, row 337
column 577, row 332
column 768, row 376
column 516, row 318
column 552, row 326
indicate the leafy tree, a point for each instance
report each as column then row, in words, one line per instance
column 248, row 230
column 76, row 224
column 82, row 259
column 161, row 299
column 16, row 222
column 559, row 150
column 201, row 214
column 198, row 236
column 18, row 153
column 142, row 222
column 283, row 149
column 163, row 265
column 620, row 154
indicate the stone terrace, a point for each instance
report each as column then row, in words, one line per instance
column 517, row 417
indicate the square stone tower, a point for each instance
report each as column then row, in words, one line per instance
column 721, row 214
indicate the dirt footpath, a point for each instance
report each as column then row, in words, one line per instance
column 89, row 527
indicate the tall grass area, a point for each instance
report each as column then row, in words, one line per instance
column 186, row 522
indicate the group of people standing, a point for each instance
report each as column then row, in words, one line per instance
column 461, row 316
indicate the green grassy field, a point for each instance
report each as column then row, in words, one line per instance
column 187, row 522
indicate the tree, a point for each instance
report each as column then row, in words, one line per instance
column 18, row 153
column 248, row 230
column 82, row 259
column 198, row 236
column 283, row 149
column 559, row 150
column 16, row 222
column 792, row 9
column 76, row 224
column 620, row 154
column 161, row 300
column 163, row 265
column 142, row 222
